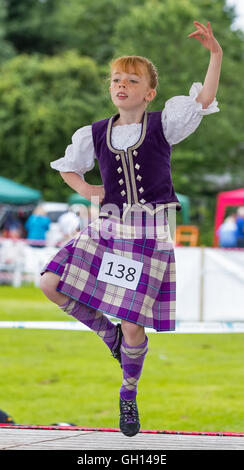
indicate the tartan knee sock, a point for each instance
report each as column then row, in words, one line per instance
column 94, row 319
column 132, row 358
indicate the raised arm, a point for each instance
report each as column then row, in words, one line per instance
column 205, row 36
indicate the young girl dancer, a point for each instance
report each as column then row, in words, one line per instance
column 131, row 278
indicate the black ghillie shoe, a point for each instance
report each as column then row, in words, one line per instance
column 129, row 417
column 116, row 351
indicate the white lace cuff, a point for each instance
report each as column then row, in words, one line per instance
column 80, row 155
column 194, row 92
column 182, row 115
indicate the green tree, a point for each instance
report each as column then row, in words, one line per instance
column 31, row 26
column 91, row 25
column 43, row 101
column 52, row 26
column 6, row 49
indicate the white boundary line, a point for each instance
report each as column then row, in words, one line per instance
column 181, row 327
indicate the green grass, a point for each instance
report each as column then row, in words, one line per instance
column 189, row 381
column 28, row 303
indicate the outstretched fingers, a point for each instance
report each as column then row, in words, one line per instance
column 196, row 35
column 201, row 27
column 205, row 31
column 205, row 36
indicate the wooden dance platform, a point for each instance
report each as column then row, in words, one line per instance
column 53, row 438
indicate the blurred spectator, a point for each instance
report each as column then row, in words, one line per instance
column 37, row 225
column 240, row 227
column 69, row 223
column 13, row 227
column 227, row 232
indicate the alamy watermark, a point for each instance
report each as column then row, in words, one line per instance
column 135, row 222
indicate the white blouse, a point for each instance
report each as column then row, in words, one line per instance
column 180, row 117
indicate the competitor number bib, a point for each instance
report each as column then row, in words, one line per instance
column 119, row 270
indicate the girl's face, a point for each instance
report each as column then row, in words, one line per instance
column 130, row 91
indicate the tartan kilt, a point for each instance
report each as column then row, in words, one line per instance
column 152, row 304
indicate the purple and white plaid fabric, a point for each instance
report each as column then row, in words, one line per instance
column 152, row 304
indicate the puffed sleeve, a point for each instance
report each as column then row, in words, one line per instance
column 80, row 155
column 182, row 115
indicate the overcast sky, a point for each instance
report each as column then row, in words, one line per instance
column 239, row 7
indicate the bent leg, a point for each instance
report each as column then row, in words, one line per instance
column 48, row 285
column 95, row 320
column 90, row 317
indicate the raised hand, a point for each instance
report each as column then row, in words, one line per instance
column 204, row 34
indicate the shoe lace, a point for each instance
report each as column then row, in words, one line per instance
column 129, row 411
column 115, row 354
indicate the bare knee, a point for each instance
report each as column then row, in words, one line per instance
column 49, row 281
column 48, row 285
column 134, row 334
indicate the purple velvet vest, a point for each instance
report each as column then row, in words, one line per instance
column 145, row 180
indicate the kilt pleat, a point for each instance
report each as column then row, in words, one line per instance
column 153, row 302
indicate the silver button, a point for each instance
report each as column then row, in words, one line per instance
column 139, row 177
column 142, row 201
column 121, row 181
column 137, row 166
column 123, row 193
column 135, row 153
column 119, row 169
column 117, row 157
column 141, row 189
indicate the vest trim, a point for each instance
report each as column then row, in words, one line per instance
column 130, row 157
column 133, row 147
column 129, row 167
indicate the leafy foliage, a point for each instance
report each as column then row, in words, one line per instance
column 6, row 48
column 43, row 101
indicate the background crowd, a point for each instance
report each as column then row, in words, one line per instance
column 231, row 232
column 38, row 227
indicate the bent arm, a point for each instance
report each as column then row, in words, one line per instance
column 78, row 184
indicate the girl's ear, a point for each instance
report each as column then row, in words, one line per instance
column 151, row 95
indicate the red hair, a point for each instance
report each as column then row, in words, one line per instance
column 136, row 64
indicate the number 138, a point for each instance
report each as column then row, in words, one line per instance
column 130, row 272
